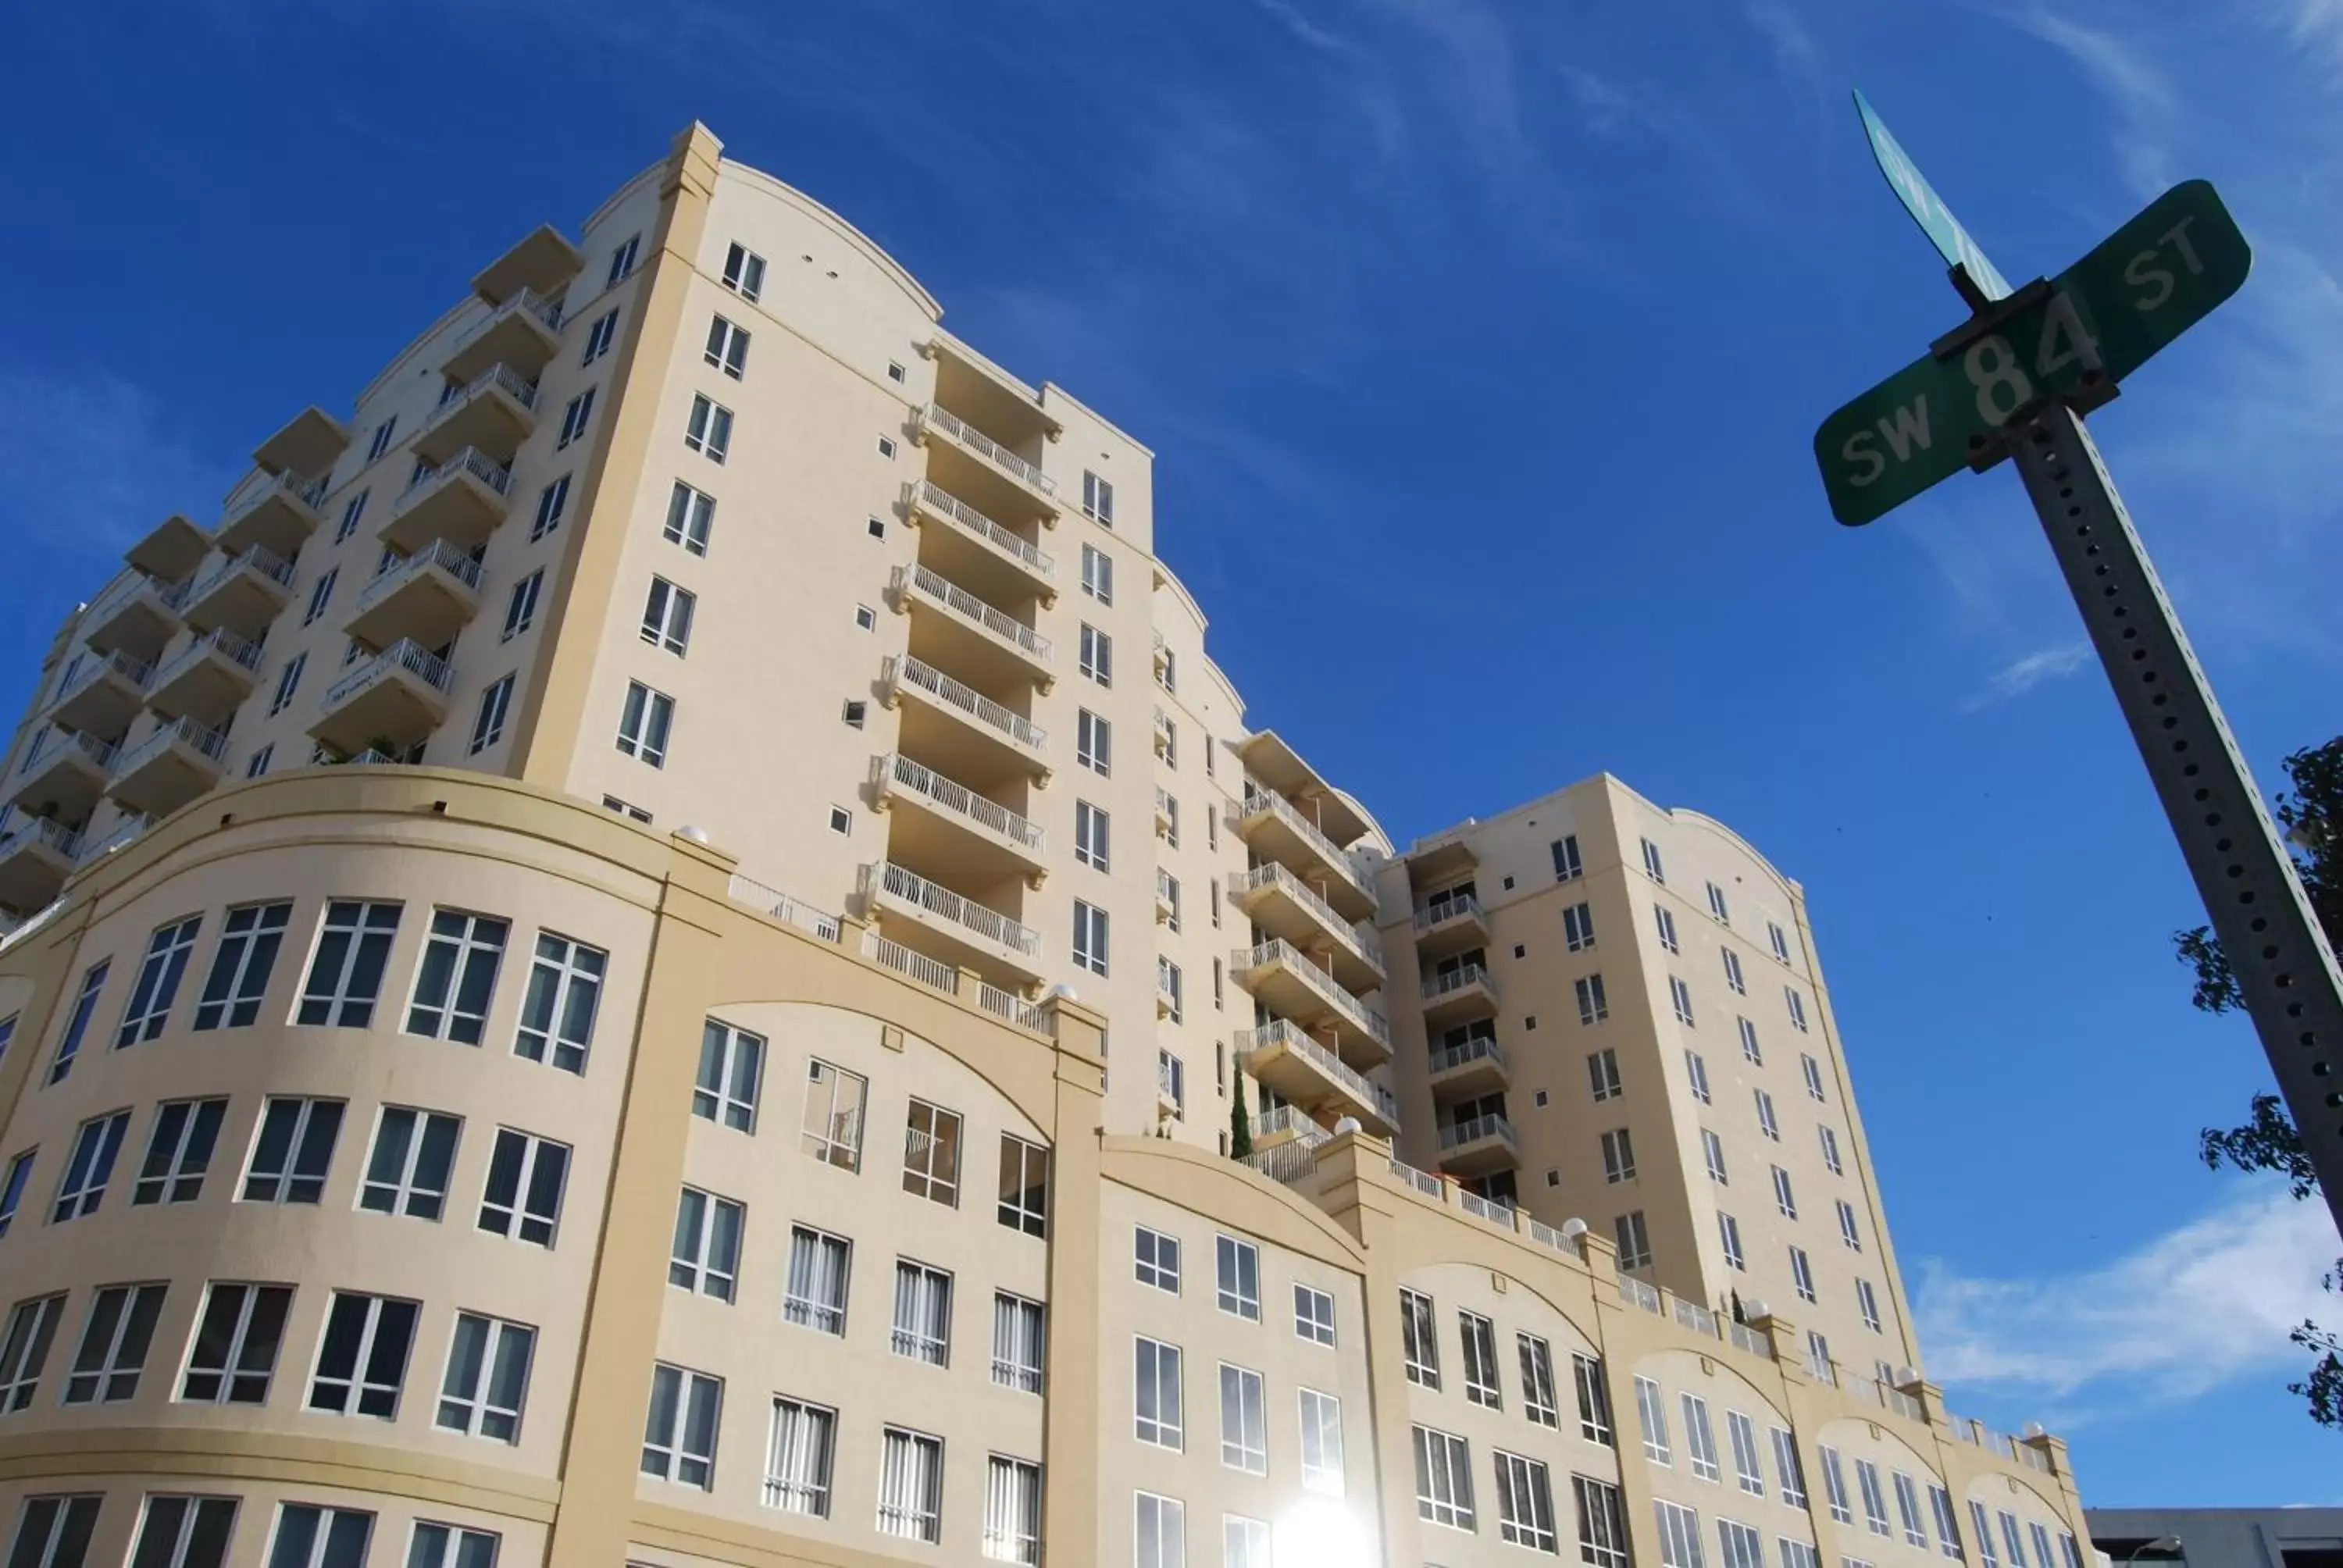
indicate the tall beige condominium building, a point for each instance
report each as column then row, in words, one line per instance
column 430, row 1135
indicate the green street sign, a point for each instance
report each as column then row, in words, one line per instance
column 1926, row 207
column 2096, row 322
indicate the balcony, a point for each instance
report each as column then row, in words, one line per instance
column 953, row 829
column 1167, row 816
column 968, row 547
column 1479, row 1146
column 1459, row 995
column 1164, row 737
column 1273, row 828
column 63, row 776
column 958, row 929
column 1473, row 1067
column 1449, row 926
column 1285, row 1059
column 168, row 769
column 1286, row 1124
column 242, row 593
column 957, row 631
column 35, row 859
column 425, row 598
column 1281, row 976
column 393, row 699
column 278, row 517
column 959, row 726
column 311, row 442
column 1167, row 897
column 968, row 462
column 93, row 851
column 171, row 550
column 1283, row 905
column 1162, row 654
column 136, row 616
column 524, row 332
column 462, row 500
column 494, row 411
column 542, row 261
column 105, row 695
column 205, row 680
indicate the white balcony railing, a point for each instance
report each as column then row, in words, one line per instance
column 985, row 447
column 310, row 493
column 1281, row 1120
column 1260, row 796
column 1449, row 1056
column 903, row 669
column 1273, row 875
column 1473, row 1129
column 170, row 596
column 516, row 385
column 200, row 738
column 943, row 903
column 933, row 585
column 1456, row 980
column 1639, row 1293
column 942, row 502
column 1447, row 910
column 482, row 467
column 98, row 752
column 1277, row 949
column 959, row 799
column 1423, row 1182
column 928, row 971
column 772, row 901
column 406, row 654
column 1284, row 1033
column 439, row 556
column 94, row 850
column 137, row 671
column 259, row 558
column 42, row 830
column 527, row 302
column 223, row 642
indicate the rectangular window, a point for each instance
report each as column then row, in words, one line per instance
column 1603, row 1074
column 293, row 1151
column 1748, row 1468
column 12, row 1190
column 552, row 502
column 679, row 1430
column 1797, row 1005
column 2009, row 1538
column 1783, row 1199
column 1779, row 942
column 488, row 723
column 93, row 982
column 1016, row 1338
column 1711, row 1149
column 352, row 510
column 1094, row 742
column 1244, row 1423
column 451, row 1546
column 1982, row 1527
column 744, row 274
column 1419, row 1340
column 1244, row 1543
column 799, row 1457
column 157, row 985
column 1651, row 1413
column 1538, row 1399
column 1652, row 867
column 1012, row 1511
column 345, row 970
column 1237, row 1268
column 256, row 765
column 1525, row 1503
column 362, row 1358
column 727, row 347
column 90, row 1167
column 667, row 617
column 556, row 1014
column 1097, row 498
column 488, row 1378
column 833, row 1115
column 321, row 593
column 1479, row 1337
column 1875, row 1497
column 456, row 976
column 1592, row 1007
column 690, row 517
column 24, row 1349
column 1729, row 1231
column 1155, row 1260
column 644, row 723
column 1948, row 1530
column 1097, row 574
column 709, row 431
column 1443, row 1478
column 1696, row 1074
column 1749, row 1051
column 1090, row 938
column 179, row 1151
column 1835, row 1485
column 1818, row 1358
column 1802, row 1273
column 1578, row 927
column 1915, row 1529
column 309, row 1536
column 1869, row 1303
column 114, row 1343
column 819, row 1264
column 1602, row 1523
column 379, row 442
column 1618, row 1156
column 236, row 1340
column 932, row 1137
column 1667, row 926
column 1847, row 1230
column 601, row 336
column 622, row 260
column 704, row 1256
column 1739, row 1546
column 1679, row 1525
column 1321, row 1442
column 1313, row 1315
column 1680, row 995
column 407, row 1172
column 1097, row 655
column 1733, row 971
column 1594, row 1399
column 1089, row 835
column 1700, row 1438
column 731, row 1075
column 2041, row 1540
column 1155, row 1393
column 922, row 1312
column 1160, row 1531
column 1788, row 1467
column 1024, row 1186
column 1767, row 1121
column 180, row 1532
column 523, row 1196
column 1634, row 1240
column 575, row 417
column 54, row 1532
column 1716, row 907
column 1813, row 1072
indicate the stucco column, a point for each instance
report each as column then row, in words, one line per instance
column 1069, row 1431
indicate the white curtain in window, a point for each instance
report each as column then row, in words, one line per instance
column 1012, row 1512
column 1017, row 1343
column 797, row 1465
column 907, row 1486
column 922, row 1312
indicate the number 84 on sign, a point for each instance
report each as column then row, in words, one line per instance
column 2094, row 323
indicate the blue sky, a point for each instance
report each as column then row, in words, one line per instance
column 1481, row 343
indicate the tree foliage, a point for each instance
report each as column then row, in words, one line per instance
column 1240, row 1124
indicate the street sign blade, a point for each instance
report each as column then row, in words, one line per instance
column 1927, row 208
column 1906, row 434
column 2158, row 275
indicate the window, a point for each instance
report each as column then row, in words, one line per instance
column 1739, row 1546
column 236, row 1340
column 1869, row 1303
column 185, row 1532
column 89, row 1167
column 1016, row 1343
column 24, row 1349
column 523, row 1196
column 932, row 1137
column 727, row 347
column 667, row 617
column 1786, row 1465
column 1525, row 1503
column 1696, row 1074
column 1159, row 1529
column 601, row 336
column 321, row 593
column 819, row 1264
column 1700, row 1438
column 1313, row 1315
column 644, row 722
column 1983, row 1528
column 456, row 976
column 1797, row 1005
column 1812, row 1070
column 1089, row 835
column 631, row 813
column 557, row 1015
column 520, row 612
column 1443, row 1478
column 1651, row 1414
column 1602, row 1523
column 865, row 618
column 887, row 447
column 1594, row 1399
column 622, row 260
column 1155, row 1394
column 1538, row 1400
column 1783, row 1199
column 1835, row 1485
column 1097, row 574
column 486, row 1378
column 840, row 819
column 709, row 431
column 574, row 418
column 114, row 1343
column 922, row 1312
column 1679, row 1526
column 451, row 1546
column 2041, row 1539
column 1747, row 1468
column 1618, row 1156
column 1419, row 1342
column 406, row 1174
column 352, row 510
column 1479, row 1336
column 1244, row 1543
column 690, row 516
column 345, row 970
column 309, row 1536
column 704, row 1257
column 1711, row 1149
column 1096, row 659
column 679, row 1431
column 1652, row 867
column 1874, row 1499
column 1603, row 1074
column 1729, row 1232
column 855, row 712
column 1667, row 925
column 1634, row 1240
column 1244, row 1424
column 799, row 1457
column 362, row 1360
column 1766, row 1122
column 1733, row 978
column 256, row 765
column 1578, row 927
column 1097, row 498
column 2009, row 1538
column 1916, row 1531
column 1090, row 938
column 1094, row 742
column 1777, row 941
column 1024, row 1186
column 1167, row 807
column 1155, row 1260
column 1592, row 1007
column 12, row 1190
column 1818, row 1359
column 178, row 1151
column 54, row 1532
column 1847, row 1230
column 1012, row 1511
column 379, row 442
column 93, row 980
column 1680, row 995
column 1716, row 909
column 1237, row 1271
column 833, row 1115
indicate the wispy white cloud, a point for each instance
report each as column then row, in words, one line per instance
column 2022, row 675
column 1298, row 24
column 2184, row 1313
column 1793, row 46
column 89, row 462
column 2316, row 25
column 2135, row 85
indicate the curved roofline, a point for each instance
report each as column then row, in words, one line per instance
column 1701, row 818
column 846, row 231
column 1171, row 580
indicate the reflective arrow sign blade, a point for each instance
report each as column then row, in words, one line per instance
column 1926, row 207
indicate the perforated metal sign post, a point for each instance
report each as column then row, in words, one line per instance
column 2013, row 381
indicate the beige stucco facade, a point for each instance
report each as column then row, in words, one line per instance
column 768, row 905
